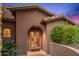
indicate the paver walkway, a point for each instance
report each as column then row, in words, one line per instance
column 36, row 53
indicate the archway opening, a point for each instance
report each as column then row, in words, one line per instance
column 34, row 38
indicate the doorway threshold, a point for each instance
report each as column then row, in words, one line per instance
column 37, row 53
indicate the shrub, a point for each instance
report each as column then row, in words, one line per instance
column 65, row 34
column 8, row 48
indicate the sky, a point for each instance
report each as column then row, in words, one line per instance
column 68, row 9
column 0, row 4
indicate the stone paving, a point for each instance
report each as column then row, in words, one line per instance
column 36, row 53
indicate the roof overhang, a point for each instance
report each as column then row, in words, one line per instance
column 7, row 14
column 56, row 18
column 16, row 8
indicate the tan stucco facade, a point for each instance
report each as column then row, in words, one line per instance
column 62, row 50
column 25, row 19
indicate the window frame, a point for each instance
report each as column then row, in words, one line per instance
column 6, row 35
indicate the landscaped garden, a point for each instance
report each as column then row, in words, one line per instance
column 65, row 41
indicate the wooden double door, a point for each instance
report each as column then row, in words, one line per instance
column 34, row 40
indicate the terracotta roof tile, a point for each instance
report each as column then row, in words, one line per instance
column 7, row 14
column 30, row 7
column 55, row 18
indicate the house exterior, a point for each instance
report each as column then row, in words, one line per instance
column 30, row 27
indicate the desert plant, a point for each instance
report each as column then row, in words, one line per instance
column 8, row 48
column 65, row 34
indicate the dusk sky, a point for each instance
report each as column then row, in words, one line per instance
column 69, row 9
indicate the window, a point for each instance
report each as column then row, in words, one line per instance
column 6, row 33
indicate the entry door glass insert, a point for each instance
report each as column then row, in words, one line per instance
column 34, row 40
column 38, row 38
column 31, row 40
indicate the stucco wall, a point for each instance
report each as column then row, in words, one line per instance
column 24, row 20
column 50, row 26
column 62, row 50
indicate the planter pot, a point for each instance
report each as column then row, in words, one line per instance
column 62, row 50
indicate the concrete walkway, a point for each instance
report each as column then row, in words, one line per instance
column 36, row 53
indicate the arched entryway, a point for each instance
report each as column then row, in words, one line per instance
column 34, row 38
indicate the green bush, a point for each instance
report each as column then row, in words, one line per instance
column 65, row 34
column 9, row 48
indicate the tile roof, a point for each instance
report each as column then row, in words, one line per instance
column 31, row 7
column 55, row 18
column 7, row 14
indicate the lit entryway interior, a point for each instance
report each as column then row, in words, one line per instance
column 34, row 38
column 35, row 42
